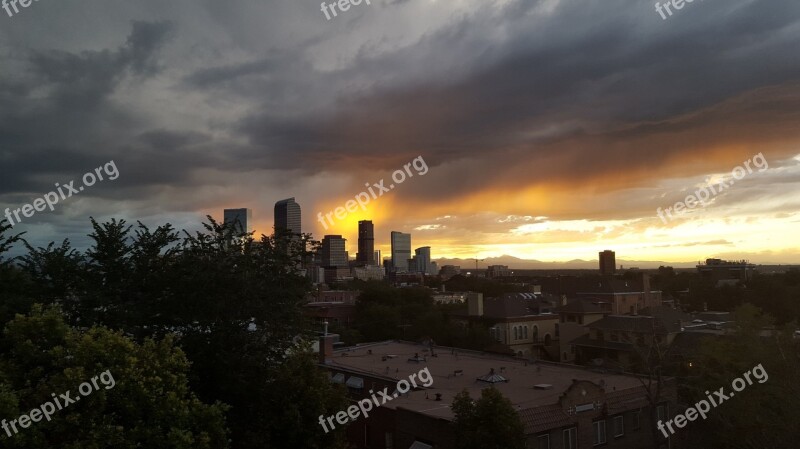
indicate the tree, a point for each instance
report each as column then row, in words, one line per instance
column 763, row 414
column 303, row 393
column 143, row 401
column 14, row 285
column 488, row 423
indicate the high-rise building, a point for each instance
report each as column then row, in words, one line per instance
column 608, row 263
column 287, row 216
column 240, row 219
column 401, row 250
column 366, row 243
column 333, row 251
column 377, row 258
column 423, row 259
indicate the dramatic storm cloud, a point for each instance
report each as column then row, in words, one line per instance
column 552, row 128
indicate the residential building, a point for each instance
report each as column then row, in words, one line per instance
column 369, row 273
column 336, row 307
column 561, row 406
column 287, row 216
column 497, row 271
column 449, row 271
column 525, row 324
column 573, row 320
column 401, row 251
column 726, row 272
column 619, row 340
column 450, row 297
column 625, row 296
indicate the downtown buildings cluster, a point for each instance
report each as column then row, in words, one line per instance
column 332, row 263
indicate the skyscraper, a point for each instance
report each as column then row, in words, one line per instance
column 401, row 250
column 287, row 215
column 366, row 243
column 423, row 258
column 333, row 251
column 240, row 219
column 608, row 263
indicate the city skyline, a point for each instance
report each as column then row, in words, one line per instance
column 550, row 146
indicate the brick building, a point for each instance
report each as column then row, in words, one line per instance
column 561, row 406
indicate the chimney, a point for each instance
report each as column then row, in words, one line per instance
column 475, row 304
column 326, row 348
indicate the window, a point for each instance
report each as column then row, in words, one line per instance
column 619, row 426
column 635, row 421
column 571, row 438
column 599, row 428
column 556, row 330
column 526, row 332
column 662, row 413
column 543, row 442
column 535, row 333
column 516, row 335
column 389, row 440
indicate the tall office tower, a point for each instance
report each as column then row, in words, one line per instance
column 333, row 251
column 287, row 215
column 401, row 251
column 423, row 258
column 366, row 242
column 377, row 258
column 240, row 219
column 608, row 263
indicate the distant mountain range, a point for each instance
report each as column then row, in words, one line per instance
column 577, row 264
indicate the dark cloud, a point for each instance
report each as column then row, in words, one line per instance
column 268, row 97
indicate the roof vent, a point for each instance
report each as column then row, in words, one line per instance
column 493, row 378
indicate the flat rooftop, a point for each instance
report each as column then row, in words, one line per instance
column 519, row 389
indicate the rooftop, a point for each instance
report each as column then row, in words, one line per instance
column 636, row 323
column 454, row 370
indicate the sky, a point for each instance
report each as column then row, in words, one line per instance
column 550, row 129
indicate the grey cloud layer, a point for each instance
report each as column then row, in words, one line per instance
column 255, row 85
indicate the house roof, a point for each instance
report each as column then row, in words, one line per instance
column 586, row 340
column 582, row 306
column 454, row 370
column 517, row 305
column 636, row 323
column 666, row 314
